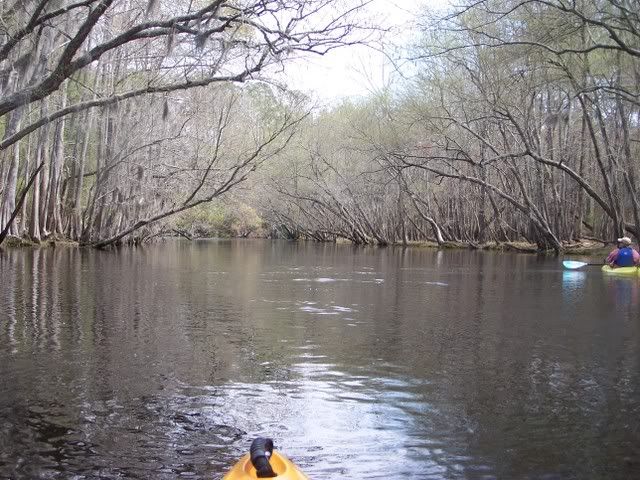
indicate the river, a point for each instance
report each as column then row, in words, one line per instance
column 165, row 361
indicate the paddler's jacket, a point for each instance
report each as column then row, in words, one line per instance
column 624, row 257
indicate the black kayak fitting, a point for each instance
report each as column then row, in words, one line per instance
column 260, row 451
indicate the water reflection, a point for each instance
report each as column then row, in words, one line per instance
column 165, row 361
column 623, row 292
column 573, row 280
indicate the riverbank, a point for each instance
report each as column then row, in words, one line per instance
column 15, row 242
column 585, row 247
column 582, row 247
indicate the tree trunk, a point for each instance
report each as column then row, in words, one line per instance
column 12, row 159
column 54, row 221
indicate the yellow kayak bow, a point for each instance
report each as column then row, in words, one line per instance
column 263, row 462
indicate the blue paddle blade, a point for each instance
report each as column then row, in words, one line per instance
column 572, row 264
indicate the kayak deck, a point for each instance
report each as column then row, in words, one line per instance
column 285, row 469
column 625, row 271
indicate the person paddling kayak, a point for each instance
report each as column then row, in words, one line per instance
column 624, row 255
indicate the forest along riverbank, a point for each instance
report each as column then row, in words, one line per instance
column 475, row 151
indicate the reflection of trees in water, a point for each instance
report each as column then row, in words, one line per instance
column 100, row 334
column 122, row 306
column 475, row 375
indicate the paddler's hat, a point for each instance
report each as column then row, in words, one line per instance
column 625, row 240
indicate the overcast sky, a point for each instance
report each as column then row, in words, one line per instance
column 357, row 70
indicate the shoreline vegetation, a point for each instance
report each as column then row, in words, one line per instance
column 582, row 247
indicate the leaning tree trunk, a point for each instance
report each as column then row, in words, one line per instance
column 12, row 158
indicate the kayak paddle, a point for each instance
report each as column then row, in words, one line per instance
column 572, row 264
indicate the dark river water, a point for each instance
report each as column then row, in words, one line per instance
column 164, row 362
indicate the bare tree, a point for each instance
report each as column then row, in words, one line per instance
column 60, row 60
